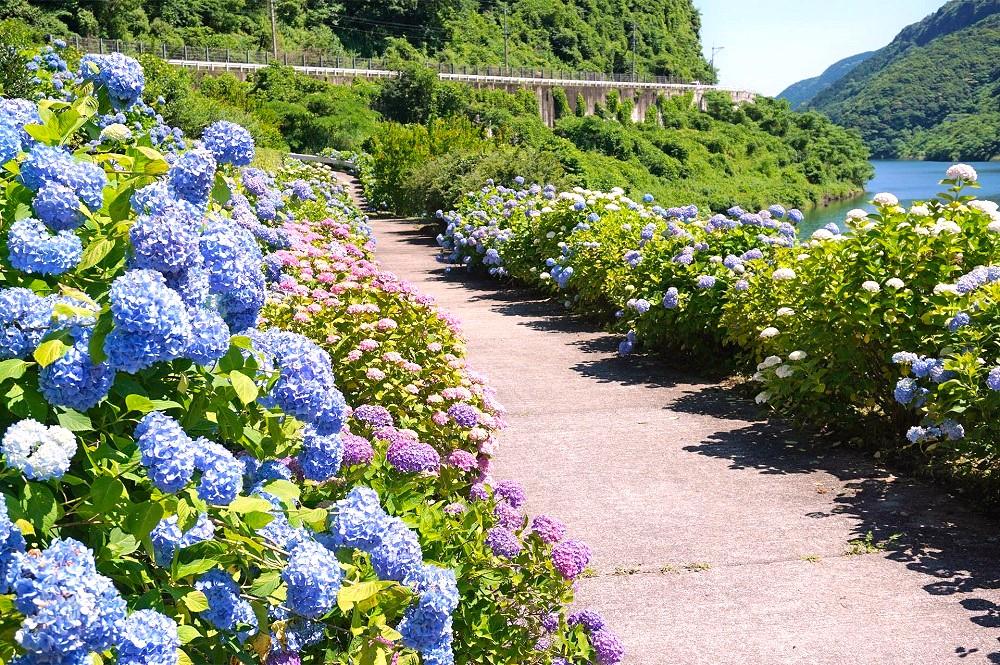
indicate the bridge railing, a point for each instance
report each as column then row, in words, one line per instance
column 317, row 58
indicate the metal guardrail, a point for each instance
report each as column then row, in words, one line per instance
column 323, row 60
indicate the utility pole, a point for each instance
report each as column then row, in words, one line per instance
column 635, row 48
column 274, row 30
column 715, row 49
column 506, row 39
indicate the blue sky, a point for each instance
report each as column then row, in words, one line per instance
column 770, row 44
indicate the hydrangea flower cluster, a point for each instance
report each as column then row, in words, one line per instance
column 229, row 142
column 39, row 452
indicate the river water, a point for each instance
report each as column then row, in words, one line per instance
column 910, row 181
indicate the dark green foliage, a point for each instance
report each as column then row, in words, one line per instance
column 560, row 103
column 590, row 35
column 927, row 87
column 15, row 80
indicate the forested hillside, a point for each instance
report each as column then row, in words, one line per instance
column 586, row 34
column 801, row 93
column 932, row 92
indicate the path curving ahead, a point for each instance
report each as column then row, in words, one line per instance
column 719, row 538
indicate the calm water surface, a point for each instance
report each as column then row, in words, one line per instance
column 910, row 181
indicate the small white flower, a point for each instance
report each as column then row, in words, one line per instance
column 548, row 209
column 550, row 235
column 544, row 276
column 758, row 377
column 785, row 311
column 802, row 257
column 783, row 274
column 763, row 397
column 885, row 199
column 944, row 288
column 612, row 207
column 857, row 213
column 871, row 286
column 895, row 283
column 739, row 269
column 784, row 372
column 920, row 211
column 715, row 259
column 822, row 234
column 797, row 355
column 769, row 332
column 994, row 227
column 962, row 172
column 922, row 231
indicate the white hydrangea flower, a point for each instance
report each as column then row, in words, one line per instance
column 797, row 355
column 895, row 283
column 945, row 226
column 783, row 274
column 944, row 288
column 769, row 332
column 802, row 257
column 988, row 207
column 920, row 211
column 922, row 231
column 785, row 311
column 885, row 199
column 613, row 207
column 962, row 172
column 822, row 234
column 763, row 398
column 758, row 377
column 715, row 259
column 739, row 269
column 39, row 452
column 769, row 362
column 784, row 372
column 550, row 235
column 871, row 286
column 544, row 276
column 857, row 213
column 994, row 227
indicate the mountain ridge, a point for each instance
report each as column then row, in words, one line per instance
column 802, row 92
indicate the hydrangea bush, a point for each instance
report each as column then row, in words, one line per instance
column 228, row 434
column 885, row 319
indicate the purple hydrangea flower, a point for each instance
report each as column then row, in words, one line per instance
column 503, row 542
column 570, row 558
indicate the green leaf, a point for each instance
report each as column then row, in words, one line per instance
column 143, row 404
column 349, row 596
column 95, row 253
column 196, row 567
column 285, row 490
column 220, row 191
column 265, row 584
column 187, row 634
column 196, row 601
column 183, row 658
column 245, row 388
column 50, row 351
column 257, row 520
column 250, row 504
column 40, row 507
column 105, row 492
column 143, row 518
column 96, row 345
column 75, row 421
column 12, row 369
column 121, row 543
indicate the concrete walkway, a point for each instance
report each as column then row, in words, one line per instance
column 718, row 537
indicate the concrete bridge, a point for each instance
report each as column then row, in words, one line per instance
column 643, row 91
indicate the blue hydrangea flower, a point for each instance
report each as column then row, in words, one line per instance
column 166, row 241
column 10, row 142
column 313, row 577
column 17, row 113
column 209, row 338
column 232, row 260
column 67, row 606
column 58, row 206
column 229, row 142
column 221, row 473
column 148, row 638
column 426, row 626
column 321, row 456
column 302, row 190
column 357, row 520
column 952, row 430
column 397, row 553
column 121, row 76
column 705, row 282
column 960, row 320
column 24, row 321
column 192, row 285
column 151, row 322
column 993, row 379
column 192, row 176
column 167, row 452
column 53, row 165
column 33, row 249
column 226, row 610
column 167, row 537
column 11, row 543
column 39, row 452
column 305, row 387
column 74, row 380
column 671, row 298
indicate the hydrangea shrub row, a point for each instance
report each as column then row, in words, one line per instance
column 228, row 434
column 888, row 318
